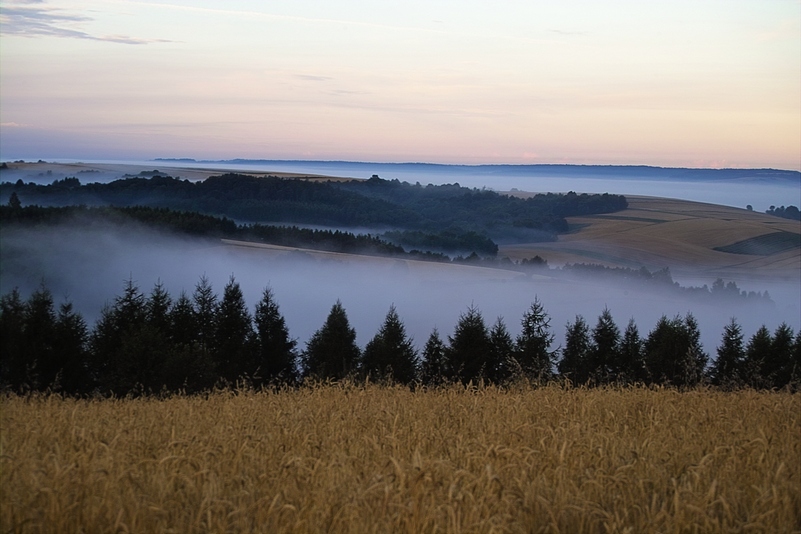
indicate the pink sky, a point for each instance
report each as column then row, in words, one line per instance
column 698, row 84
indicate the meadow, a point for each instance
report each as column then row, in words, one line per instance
column 347, row 458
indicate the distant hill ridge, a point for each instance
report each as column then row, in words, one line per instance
column 589, row 171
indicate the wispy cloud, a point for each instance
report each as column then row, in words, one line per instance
column 30, row 20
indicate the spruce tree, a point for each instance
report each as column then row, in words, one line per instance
column 534, row 342
column 673, row 352
column 13, row 364
column 575, row 364
column 468, row 356
column 432, row 370
column 726, row 369
column 779, row 363
column 205, row 305
column 234, row 339
column 631, row 362
column 276, row 359
column 503, row 365
column 757, row 353
column 331, row 352
column 39, row 332
column 606, row 345
column 390, row 354
column 71, row 338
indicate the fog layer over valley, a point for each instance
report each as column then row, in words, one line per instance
column 88, row 264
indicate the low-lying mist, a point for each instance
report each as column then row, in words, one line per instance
column 88, row 264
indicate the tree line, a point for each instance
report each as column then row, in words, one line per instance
column 153, row 343
column 372, row 203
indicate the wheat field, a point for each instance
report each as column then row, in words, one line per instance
column 342, row 458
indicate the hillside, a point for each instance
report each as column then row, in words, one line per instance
column 690, row 238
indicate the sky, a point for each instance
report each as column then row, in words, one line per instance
column 680, row 83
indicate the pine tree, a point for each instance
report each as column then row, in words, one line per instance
column 468, row 356
column 433, row 371
column 725, row 371
column 331, row 352
column 390, row 354
column 575, row 364
column 534, row 342
column 606, row 345
column 276, row 360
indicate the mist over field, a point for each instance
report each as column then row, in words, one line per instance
column 89, row 264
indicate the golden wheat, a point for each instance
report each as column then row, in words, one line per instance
column 376, row 459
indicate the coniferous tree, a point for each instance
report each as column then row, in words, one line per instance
column 331, row 352
column 503, row 364
column 631, row 363
column 123, row 351
column 725, row 371
column 534, row 342
column 606, row 345
column 757, row 353
column 432, row 369
column 468, row 356
column 13, row 364
column 205, row 304
column 575, row 364
column 276, row 359
column 695, row 360
column 234, row 339
column 71, row 338
column 190, row 367
column 38, row 333
column 390, row 354
column 795, row 370
column 779, row 363
column 673, row 352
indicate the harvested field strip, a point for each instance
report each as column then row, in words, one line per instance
column 764, row 245
column 358, row 459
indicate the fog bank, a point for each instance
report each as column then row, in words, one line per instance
column 90, row 264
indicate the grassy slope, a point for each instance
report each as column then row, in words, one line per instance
column 678, row 234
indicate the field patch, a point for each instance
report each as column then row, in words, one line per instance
column 764, row 245
column 342, row 458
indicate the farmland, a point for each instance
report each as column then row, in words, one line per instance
column 342, row 458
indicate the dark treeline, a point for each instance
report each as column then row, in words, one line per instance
column 371, row 203
column 156, row 343
column 790, row 212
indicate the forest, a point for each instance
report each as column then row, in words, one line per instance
column 373, row 203
column 145, row 344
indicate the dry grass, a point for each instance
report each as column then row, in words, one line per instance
column 347, row 459
column 679, row 234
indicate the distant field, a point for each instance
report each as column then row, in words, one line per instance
column 348, row 459
column 688, row 237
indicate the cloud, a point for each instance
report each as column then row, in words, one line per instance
column 312, row 78
column 53, row 22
